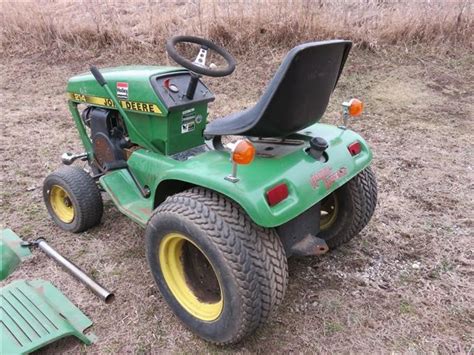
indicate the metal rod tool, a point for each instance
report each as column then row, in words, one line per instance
column 74, row 270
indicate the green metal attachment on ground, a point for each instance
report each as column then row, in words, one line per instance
column 34, row 314
column 11, row 252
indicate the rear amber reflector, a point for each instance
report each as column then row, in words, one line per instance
column 354, row 148
column 277, row 194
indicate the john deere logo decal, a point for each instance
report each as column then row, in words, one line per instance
column 122, row 91
column 327, row 177
column 143, row 107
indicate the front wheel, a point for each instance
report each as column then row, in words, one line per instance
column 73, row 199
column 346, row 211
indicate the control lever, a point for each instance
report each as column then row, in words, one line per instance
column 192, row 85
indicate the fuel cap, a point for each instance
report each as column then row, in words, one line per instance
column 318, row 143
column 317, row 146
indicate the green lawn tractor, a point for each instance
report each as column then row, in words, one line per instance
column 225, row 202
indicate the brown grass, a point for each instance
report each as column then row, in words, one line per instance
column 59, row 27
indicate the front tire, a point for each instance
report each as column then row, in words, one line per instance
column 73, row 199
column 346, row 211
column 203, row 270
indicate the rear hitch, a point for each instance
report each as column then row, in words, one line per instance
column 310, row 245
column 299, row 234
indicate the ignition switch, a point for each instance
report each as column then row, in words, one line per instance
column 173, row 88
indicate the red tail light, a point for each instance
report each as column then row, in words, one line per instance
column 354, row 148
column 277, row 194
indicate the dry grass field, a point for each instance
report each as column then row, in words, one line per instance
column 406, row 284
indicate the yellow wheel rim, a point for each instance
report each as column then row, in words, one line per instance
column 190, row 277
column 61, row 204
column 329, row 210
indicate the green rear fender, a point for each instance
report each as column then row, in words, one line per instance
column 308, row 180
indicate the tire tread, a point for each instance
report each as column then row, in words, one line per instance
column 196, row 210
column 85, row 192
column 264, row 245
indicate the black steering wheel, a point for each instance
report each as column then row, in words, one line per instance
column 199, row 66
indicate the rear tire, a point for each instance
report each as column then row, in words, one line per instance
column 348, row 209
column 196, row 226
column 73, row 199
column 264, row 245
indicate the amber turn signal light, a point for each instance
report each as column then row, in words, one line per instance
column 243, row 152
column 355, row 107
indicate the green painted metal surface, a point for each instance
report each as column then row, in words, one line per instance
column 137, row 77
column 126, row 196
column 34, row 314
column 309, row 180
column 11, row 252
column 152, row 126
column 159, row 135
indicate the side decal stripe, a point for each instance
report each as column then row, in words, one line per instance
column 142, row 107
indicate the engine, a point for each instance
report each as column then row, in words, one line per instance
column 108, row 135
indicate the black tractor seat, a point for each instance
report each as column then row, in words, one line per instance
column 296, row 97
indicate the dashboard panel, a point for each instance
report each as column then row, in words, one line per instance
column 172, row 88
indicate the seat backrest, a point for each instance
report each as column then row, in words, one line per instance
column 299, row 93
